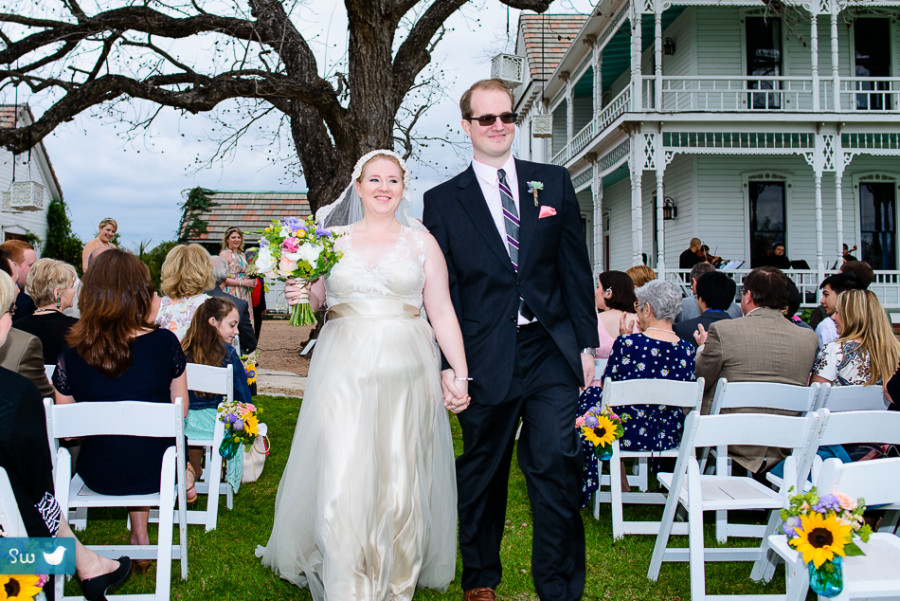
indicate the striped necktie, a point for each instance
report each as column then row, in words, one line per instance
column 510, row 219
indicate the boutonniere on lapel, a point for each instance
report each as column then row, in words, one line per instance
column 535, row 187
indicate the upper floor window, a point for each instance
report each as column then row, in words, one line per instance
column 764, row 59
column 872, row 54
column 878, row 230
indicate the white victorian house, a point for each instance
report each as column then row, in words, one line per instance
column 27, row 184
column 714, row 119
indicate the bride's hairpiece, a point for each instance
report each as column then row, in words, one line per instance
column 357, row 169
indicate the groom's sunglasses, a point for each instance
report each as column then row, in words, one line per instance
column 488, row 120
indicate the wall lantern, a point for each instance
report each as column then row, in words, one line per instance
column 670, row 211
column 669, row 47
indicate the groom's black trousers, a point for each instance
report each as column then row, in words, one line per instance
column 544, row 395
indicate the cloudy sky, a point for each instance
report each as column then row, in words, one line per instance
column 139, row 181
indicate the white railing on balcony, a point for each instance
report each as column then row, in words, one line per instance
column 615, row 108
column 733, row 94
column 886, row 285
column 870, row 94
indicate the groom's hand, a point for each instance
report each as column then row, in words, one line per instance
column 587, row 364
column 456, row 392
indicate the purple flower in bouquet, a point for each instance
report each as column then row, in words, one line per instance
column 322, row 232
column 827, row 502
column 790, row 525
column 591, row 421
column 263, row 243
column 239, row 424
column 294, row 224
column 229, row 418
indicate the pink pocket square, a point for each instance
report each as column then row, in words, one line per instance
column 546, row 212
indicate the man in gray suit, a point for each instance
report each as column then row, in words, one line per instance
column 246, row 335
column 760, row 347
column 24, row 354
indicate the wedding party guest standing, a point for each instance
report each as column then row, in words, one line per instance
column 22, row 254
column 365, row 508
column 185, row 277
column 106, row 232
column 521, row 285
column 25, row 455
column 759, row 347
column 866, row 351
column 116, row 353
column 51, row 284
column 238, row 283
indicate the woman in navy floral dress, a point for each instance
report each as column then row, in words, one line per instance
column 657, row 352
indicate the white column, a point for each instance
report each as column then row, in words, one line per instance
column 570, row 110
column 637, row 83
column 839, row 206
column 814, row 58
column 637, row 222
column 597, row 191
column 658, row 54
column 820, row 259
column 660, row 222
column 598, row 80
column 835, row 72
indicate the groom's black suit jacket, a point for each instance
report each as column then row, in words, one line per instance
column 554, row 275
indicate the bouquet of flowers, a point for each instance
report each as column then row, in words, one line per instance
column 601, row 427
column 249, row 361
column 241, row 426
column 821, row 528
column 297, row 249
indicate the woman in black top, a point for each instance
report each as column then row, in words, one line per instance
column 51, row 285
column 25, row 456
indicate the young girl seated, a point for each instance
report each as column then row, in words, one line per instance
column 208, row 342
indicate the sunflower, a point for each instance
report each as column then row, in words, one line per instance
column 19, row 588
column 251, row 425
column 602, row 434
column 819, row 538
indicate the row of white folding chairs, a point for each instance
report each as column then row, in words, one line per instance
column 697, row 492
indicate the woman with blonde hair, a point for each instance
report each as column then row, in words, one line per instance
column 640, row 275
column 867, row 352
column 106, row 232
column 185, row 277
column 51, row 284
column 237, row 283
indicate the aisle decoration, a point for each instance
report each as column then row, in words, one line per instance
column 297, row 249
column 249, row 362
column 241, row 426
column 601, row 427
column 821, row 529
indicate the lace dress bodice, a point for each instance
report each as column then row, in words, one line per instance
column 399, row 274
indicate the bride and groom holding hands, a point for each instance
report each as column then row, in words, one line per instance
column 367, row 504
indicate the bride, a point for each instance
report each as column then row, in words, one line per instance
column 366, row 508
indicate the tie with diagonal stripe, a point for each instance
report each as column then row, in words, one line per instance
column 510, row 219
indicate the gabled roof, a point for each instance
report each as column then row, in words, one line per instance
column 557, row 31
column 250, row 211
column 8, row 119
column 7, row 115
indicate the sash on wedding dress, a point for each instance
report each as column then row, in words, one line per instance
column 381, row 307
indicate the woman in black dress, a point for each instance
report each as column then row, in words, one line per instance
column 117, row 354
column 51, row 285
column 25, row 455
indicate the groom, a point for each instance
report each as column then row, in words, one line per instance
column 521, row 285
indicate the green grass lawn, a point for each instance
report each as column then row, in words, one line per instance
column 223, row 566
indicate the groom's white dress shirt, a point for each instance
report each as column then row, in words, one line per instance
column 490, row 188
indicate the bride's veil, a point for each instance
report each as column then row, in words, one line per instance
column 348, row 207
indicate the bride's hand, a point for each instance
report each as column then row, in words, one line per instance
column 296, row 291
column 456, row 392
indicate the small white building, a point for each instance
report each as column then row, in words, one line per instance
column 27, row 184
column 717, row 120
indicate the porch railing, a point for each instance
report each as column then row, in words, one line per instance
column 871, row 94
column 732, row 94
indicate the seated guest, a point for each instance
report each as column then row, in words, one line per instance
column 640, row 275
column 689, row 307
column 795, row 299
column 656, row 352
column 867, row 352
column 25, row 455
column 22, row 254
column 51, row 284
column 831, row 287
column 861, row 270
column 23, row 354
column 246, row 334
column 691, row 256
column 208, row 342
column 779, row 259
column 757, row 348
column 715, row 294
column 185, row 276
column 116, row 353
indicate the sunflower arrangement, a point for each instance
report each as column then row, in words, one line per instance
column 249, row 361
column 241, row 426
column 600, row 427
column 820, row 527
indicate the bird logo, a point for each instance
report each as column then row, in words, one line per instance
column 55, row 558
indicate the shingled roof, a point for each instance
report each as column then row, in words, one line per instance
column 250, row 211
column 558, row 33
column 7, row 116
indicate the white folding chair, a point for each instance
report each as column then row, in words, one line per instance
column 699, row 493
column 762, row 396
column 842, row 428
column 214, row 380
column 10, row 518
column 870, row 576
column 851, row 398
column 48, row 370
column 684, row 395
column 127, row 418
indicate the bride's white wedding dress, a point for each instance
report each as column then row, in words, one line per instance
column 366, row 508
